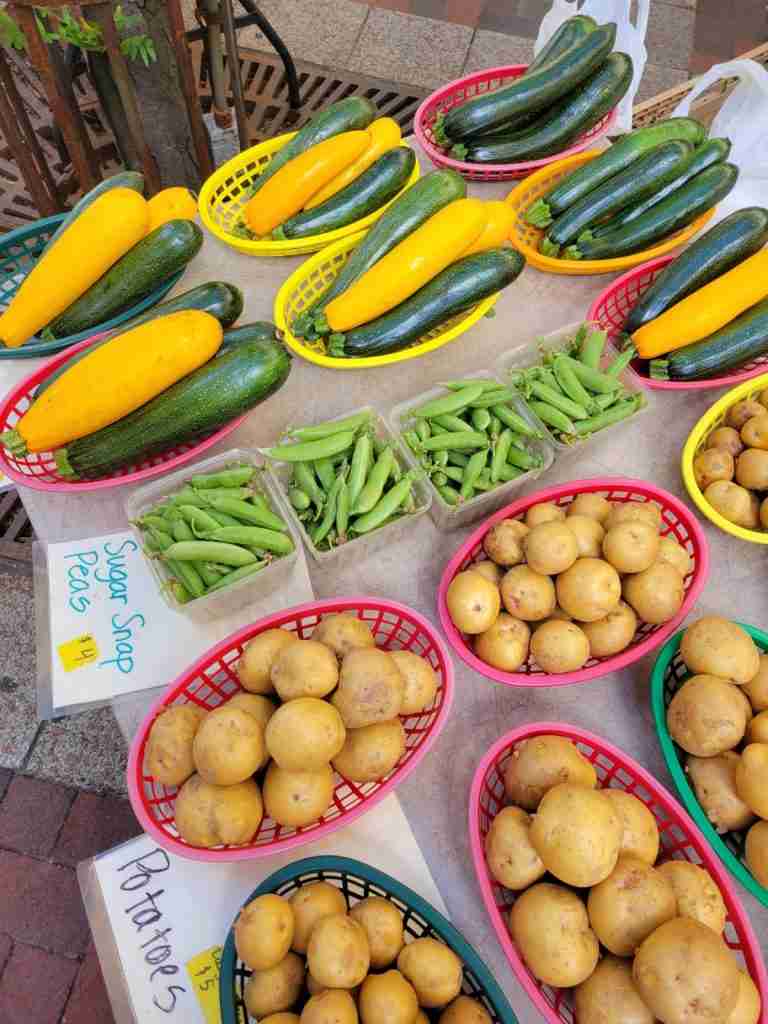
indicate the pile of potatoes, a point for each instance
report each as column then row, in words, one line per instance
column 568, row 584
column 307, row 707
column 636, row 942
column 316, row 961
column 719, row 717
column 732, row 468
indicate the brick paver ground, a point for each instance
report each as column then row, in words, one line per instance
column 49, row 971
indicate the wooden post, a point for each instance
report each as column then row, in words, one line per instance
column 196, row 123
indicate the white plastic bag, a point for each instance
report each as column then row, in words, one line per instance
column 630, row 38
column 743, row 119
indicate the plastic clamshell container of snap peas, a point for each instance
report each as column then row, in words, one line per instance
column 529, row 353
column 453, row 517
column 230, row 599
column 359, row 547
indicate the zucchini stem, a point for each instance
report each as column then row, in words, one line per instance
column 549, row 248
column 572, row 252
column 539, row 214
column 13, row 442
column 658, row 369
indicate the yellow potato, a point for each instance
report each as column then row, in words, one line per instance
column 577, row 833
column 752, row 778
column 510, row 856
column 539, row 763
column 275, row 989
column 697, row 895
column 707, row 716
column 756, row 851
column 629, row 904
column 489, row 569
column 305, row 734
column 609, row 996
column 589, row 590
column 383, row 925
column 727, row 438
column 734, row 503
column 588, row 533
column 261, row 708
column 719, row 647
column 559, row 646
column 228, row 747
column 473, row 602
column 371, row 688
column 505, row 644
column 338, row 955
column 388, row 999
column 526, row 594
column 504, row 542
column 612, row 634
column 372, row 752
column 757, row 729
column 763, row 513
column 433, row 969
column 674, row 553
column 550, row 548
column 714, row 783
column 550, row 927
column 281, row 1018
column 686, row 974
column 464, row 1010
column 748, row 1006
column 343, row 633
column 757, row 687
column 264, row 933
column 713, row 464
column 543, row 512
column 420, row 681
column 752, row 469
column 594, row 506
column 634, row 511
column 631, row 546
column 294, row 799
column 168, row 755
column 754, row 433
column 211, row 816
column 743, row 411
column 656, row 594
column 255, row 665
column 330, row 1006
column 640, row 835
column 310, row 904
column 305, row 668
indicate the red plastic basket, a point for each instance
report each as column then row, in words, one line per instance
column 212, row 681
column 680, row 840
column 677, row 520
column 611, row 309
column 462, row 89
column 38, row 469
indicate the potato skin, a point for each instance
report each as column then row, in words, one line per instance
column 371, row 688
column 387, row 999
column 612, row 634
column 509, row 854
column 559, row 646
column 383, row 924
column 338, row 955
column 343, row 633
column 254, row 667
column 757, row 729
column 543, row 512
column 372, row 752
column 756, row 851
column 609, row 996
column 629, row 904
column 550, row 548
column 504, row 542
column 464, row 1010
column 550, row 928
column 734, row 503
column 330, row 1006
column 505, row 644
column 168, row 756
column 747, row 1008
column 304, row 734
column 633, row 512
column 433, row 969
column 264, row 933
column 310, row 904
column 275, row 989
column 686, row 974
column 592, row 505
column 741, row 412
column 712, row 464
column 589, row 534
column 420, row 678
column 727, row 438
column 714, row 783
column 577, row 834
column 656, row 594
column 752, row 778
column 697, row 894
column 211, row 816
column 539, row 763
column 715, row 646
column 228, row 747
column 305, row 668
column 706, row 716
column 473, row 602
column 526, row 594
column 294, row 799
column 674, row 553
column 640, row 835
column 631, row 546
column 757, row 687
column 589, row 590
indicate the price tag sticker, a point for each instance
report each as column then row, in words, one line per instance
column 203, row 970
column 77, row 653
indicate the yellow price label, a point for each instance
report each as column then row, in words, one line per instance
column 203, row 970
column 77, row 653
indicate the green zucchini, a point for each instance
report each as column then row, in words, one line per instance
column 222, row 300
column 643, row 177
column 346, row 115
column 123, row 179
column 571, row 31
column 713, row 151
column 741, row 340
column 408, row 212
column 457, row 288
column 259, row 330
column 530, row 92
column 735, row 238
column 162, row 253
column 366, row 194
column 616, row 158
column 664, row 219
column 571, row 117
column 200, row 403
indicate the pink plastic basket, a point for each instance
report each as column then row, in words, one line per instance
column 611, row 309
column 212, row 681
column 680, row 840
column 677, row 520
column 38, row 471
column 465, row 88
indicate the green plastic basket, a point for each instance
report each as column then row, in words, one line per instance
column 357, row 881
column 669, row 674
column 19, row 251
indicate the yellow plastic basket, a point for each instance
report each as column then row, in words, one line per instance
column 712, row 418
column 527, row 238
column 226, row 192
column 315, row 276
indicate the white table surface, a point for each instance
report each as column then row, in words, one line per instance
column 435, row 799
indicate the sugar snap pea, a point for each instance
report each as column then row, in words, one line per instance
column 489, row 398
column 325, row 473
column 237, row 574
column 481, row 419
column 246, row 512
column 570, row 384
column 440, row 458
column 459, row 440
column 309, row 451
column 374, row 485
column 522, row 459
column 495, row 426
column 592, row 379
column 621, row 362
column 209, row 551
column 358, row 469
column 558, row 400
column 450, row 423
column 510, row 473
column 616, row 413
column 250, row 536
column 590, row 348
column 323, row 528
column 181, row 530
column 450, row 403
column 299, row 499
column 552, row 417
column 222, row 518
column 236, row 476
column 187, row 574
column 474, row 468
column 422, row 430
column 199, row 519
column 512, row 419
column 342, row 510
column 385, row 507
column 144, row 522
column 160, row 538
column 304, row 475
column 439, row 479
column 458, row 385
column 500, row 454
column 455, row 473
column 207, row 575
column 179, row 591
column 322, row 430
column 457, row 459
column 449, row 494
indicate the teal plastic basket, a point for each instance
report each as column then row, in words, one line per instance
column 358, row 881
column 669, row 674
column 19, row 251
